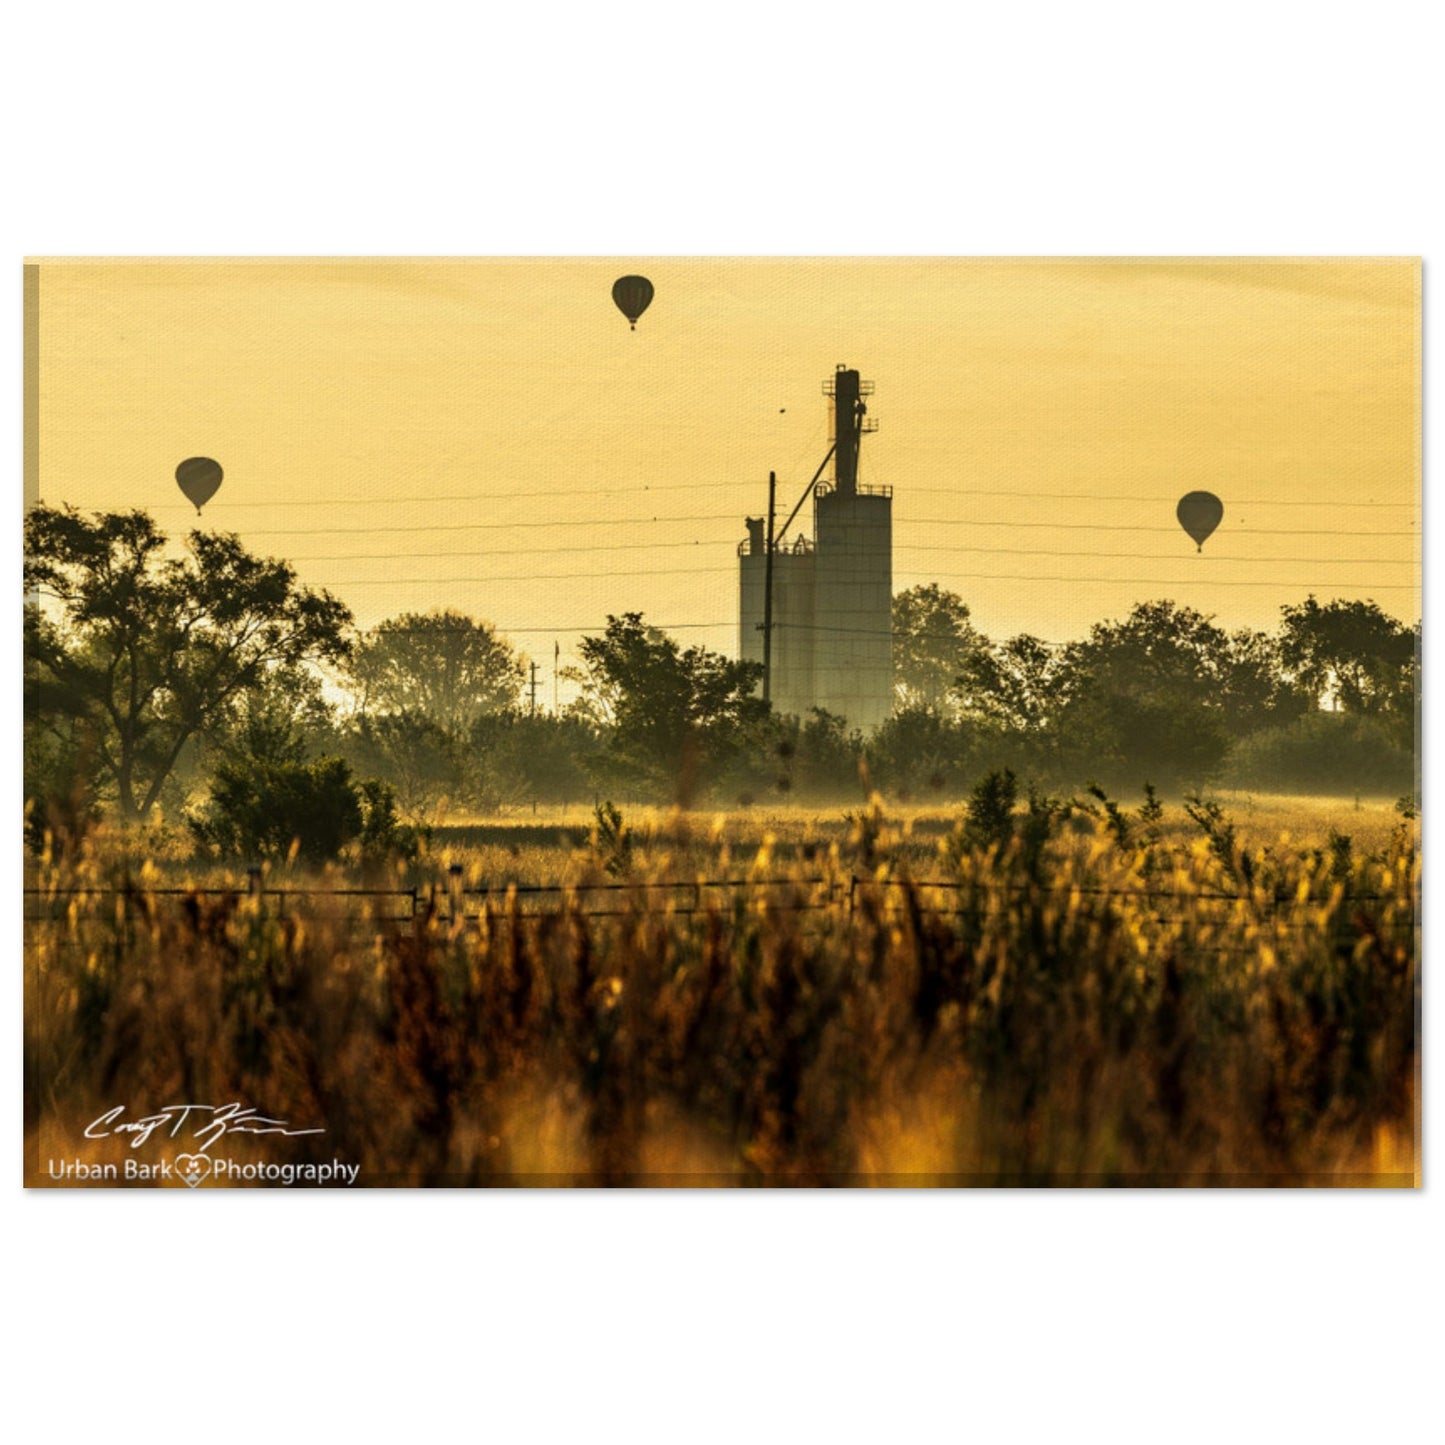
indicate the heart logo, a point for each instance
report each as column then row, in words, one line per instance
column 192, row 1168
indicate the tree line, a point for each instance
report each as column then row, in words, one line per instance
column 214, row 686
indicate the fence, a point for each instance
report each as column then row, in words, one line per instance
column 448, row 900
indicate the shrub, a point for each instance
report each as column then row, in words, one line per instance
column 920, row 753
column 1324, row 753
column 259, row 809
column 612, row 839
column 990, row 810
column 383, row 835
column 60, row 789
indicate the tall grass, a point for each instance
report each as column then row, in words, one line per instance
column 1077, row 1002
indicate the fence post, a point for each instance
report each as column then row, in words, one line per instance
column 253, row 881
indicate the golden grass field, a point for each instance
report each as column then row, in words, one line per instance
column 762, row 997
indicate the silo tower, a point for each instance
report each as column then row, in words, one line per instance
column 826, row 625
column 853, row 588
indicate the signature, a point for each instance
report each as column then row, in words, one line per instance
column 212, row 1122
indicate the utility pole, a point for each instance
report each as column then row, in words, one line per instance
column 532, row 711
column 768, row 592
column 556, row 663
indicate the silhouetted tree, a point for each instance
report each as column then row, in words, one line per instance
column 415, row 756
column 259, row 809
column 1146, row 697
column 812, row 757
column 918, row 754
column 674, row 718
column 934, row 645
column 1257, row 692
column 1013, row 684
column 1326, row 752
column 518, row 758
column 284, row 718
column 441, row 665
column 827, row 754
column 146, row 653
column 1350, row 655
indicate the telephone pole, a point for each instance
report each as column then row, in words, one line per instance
column 768, row 591
column 532, row 710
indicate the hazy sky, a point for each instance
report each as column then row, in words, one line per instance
column 489, row 435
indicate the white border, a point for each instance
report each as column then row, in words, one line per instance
column 1034, row 129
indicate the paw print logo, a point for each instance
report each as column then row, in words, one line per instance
column 192, row 1168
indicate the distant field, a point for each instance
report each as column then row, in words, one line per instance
column 532, row 847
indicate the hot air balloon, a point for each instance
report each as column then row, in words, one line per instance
column 199, row 478
column 633, row 295
column 1199, row 514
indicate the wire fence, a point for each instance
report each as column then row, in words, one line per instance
column 449, row 899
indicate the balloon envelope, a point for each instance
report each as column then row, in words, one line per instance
column 199, row 478
column 1199, row 514
column 633, row 295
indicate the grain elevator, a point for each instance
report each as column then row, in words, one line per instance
column 818, row 613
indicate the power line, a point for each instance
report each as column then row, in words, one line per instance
column 905, row 520
column 1178, row 582
column 439, row 624
column 1166, row 531
column 902, row 547
column 732, row 517
column 484, row 577
column 961, row 493
column 484, row 497
column 490, row 526
column 970, row 577
column 479, row 579
column 896, row 633
column 1213, row 556
column 964, row 493
column 506, row 552
column 428, row 624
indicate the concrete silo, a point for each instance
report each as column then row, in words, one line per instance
column 831, row 616
column 791, row 653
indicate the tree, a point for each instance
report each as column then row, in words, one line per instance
column 62, row 775
column 1145, row 698
column 148, row 652
column 442, row 665
column 1350, row 656
column 1257, row 691
column 1012, row 684
column 519, row 758
column 821, row 754
column 918, row 753
column 815, row 756
column 414, row 755
column 285, row 717
column 673, row 718
column 934, row 644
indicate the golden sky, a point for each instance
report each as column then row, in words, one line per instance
column 489, row 435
